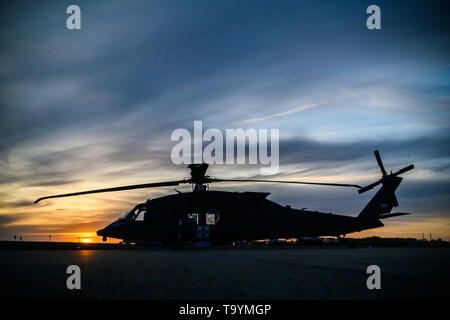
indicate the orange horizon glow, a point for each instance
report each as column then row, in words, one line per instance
column 435, row 229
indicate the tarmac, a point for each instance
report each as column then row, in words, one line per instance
column 231, row 274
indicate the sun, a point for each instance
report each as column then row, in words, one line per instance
column 86, row 240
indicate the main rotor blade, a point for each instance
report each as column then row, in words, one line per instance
column 136, row 186
column 410, row 167
column 293, row 182
column 380, row 163
column 370, row 186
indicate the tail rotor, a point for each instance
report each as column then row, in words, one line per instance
column 385, row 177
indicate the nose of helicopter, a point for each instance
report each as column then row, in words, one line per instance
column 107, row 231
column 101, row 232
column 113, row 230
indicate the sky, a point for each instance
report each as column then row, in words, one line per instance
column 95, row 108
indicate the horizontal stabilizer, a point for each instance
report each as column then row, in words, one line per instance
column 390, row 215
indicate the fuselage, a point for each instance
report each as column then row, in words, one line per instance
column 228, row 216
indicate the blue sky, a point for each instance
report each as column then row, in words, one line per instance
column 96, row 107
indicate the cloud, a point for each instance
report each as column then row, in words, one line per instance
column 304, row 150
column 6, row 219
column 51, row 183
column 279, row 114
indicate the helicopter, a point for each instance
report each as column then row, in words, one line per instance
column 225, row 217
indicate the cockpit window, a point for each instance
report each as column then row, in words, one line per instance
column 138, row 213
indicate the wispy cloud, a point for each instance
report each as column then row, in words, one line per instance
column 279, row 114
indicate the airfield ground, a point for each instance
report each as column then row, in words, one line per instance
column 236, row 273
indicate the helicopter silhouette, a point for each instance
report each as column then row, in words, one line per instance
column 225, row 217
